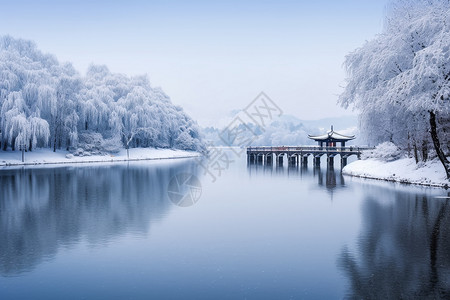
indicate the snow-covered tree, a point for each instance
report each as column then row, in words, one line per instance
column 45, row 103
column 400, row 81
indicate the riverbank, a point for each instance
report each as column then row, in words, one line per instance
column 403, row 170
column 48, row 157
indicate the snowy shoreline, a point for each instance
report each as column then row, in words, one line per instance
column 48, row 157
column 403, row 170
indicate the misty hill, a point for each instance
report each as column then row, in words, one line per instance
column 286, row 130
column 340, row 124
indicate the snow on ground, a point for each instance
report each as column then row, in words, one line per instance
column 403, row 170
column 47, row 156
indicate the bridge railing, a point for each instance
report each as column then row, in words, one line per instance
column 308, row 149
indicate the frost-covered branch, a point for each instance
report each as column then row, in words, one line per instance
column 399, row 81
column 47, row 104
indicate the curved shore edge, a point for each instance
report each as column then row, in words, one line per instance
column 404, row 171
column 48, row 157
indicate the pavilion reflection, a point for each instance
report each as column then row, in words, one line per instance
column 333, row 178
column 328, row 177
column 42, row 210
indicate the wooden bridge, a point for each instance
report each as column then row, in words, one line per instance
column 297, row 155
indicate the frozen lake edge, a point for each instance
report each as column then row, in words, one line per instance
column 48, row 157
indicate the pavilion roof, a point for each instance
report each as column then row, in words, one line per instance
column 332, row 136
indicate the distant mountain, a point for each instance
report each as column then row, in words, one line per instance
column 286, row 130
column 339, row 123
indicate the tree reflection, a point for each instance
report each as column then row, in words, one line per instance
column 403, row 251
column 42, row 210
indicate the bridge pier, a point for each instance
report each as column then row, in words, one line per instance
column 317, row 161
column 343, row 161
column 330, row 161
column 260, row 159
column 280, row 160
column 299, row 155
column 304, row 160
column 292, row 160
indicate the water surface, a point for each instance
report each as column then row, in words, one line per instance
column 257, row 232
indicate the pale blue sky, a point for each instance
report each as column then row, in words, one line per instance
column 210, row 57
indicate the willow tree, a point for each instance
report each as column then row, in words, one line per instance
column 44, row 103
column 400, row 80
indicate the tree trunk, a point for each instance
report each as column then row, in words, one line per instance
column 424, row 150
column 409, row 145
column 437, row 144
column 416, row 154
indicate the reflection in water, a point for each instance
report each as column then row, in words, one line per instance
column 403, row 251
column 42, row 210
column 328, row 177
column 333, row 179
column 404, row 248
column 282, row 242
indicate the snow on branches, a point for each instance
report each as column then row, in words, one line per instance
column 400, row 81
column 47, row 104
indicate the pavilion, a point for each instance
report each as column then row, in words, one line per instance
column 296, row 154
column 331, row 138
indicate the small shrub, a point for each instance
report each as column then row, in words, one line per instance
column 386, row 151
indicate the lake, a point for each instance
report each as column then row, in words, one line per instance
column 151, row 230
